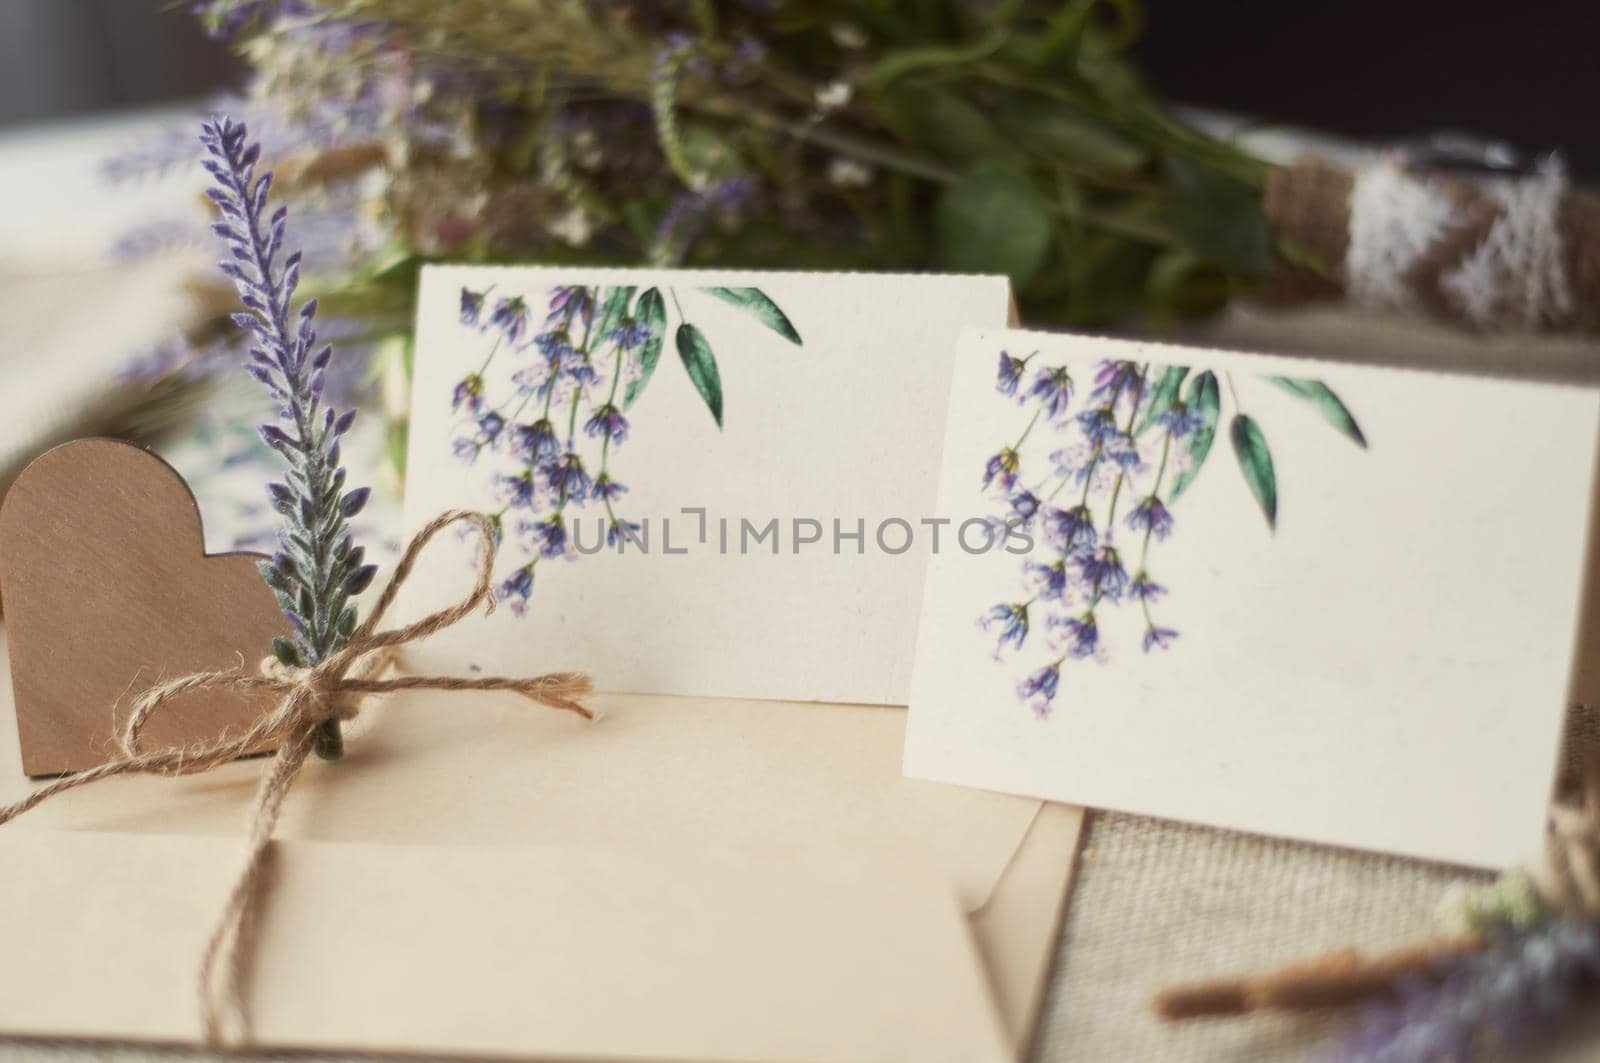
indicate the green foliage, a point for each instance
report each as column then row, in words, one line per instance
column 993, row 221
column 701, row 365
column 1205, row 399
column 1328, row 404
column 1255, row 461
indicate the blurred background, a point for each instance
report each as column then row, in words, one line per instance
column 1369, row 69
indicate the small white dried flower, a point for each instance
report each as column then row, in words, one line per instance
column 573, row 227
column 832, row 96
column 848, row 173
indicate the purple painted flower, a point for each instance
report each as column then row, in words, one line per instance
column 1013, row 620
column 490, row 425
column 534, row 441
column 567, row 478
column 519, row 490
column 1151, row 517
column 1144, row 589
column 1048, row 581
column 1041, row 683
column 551, row 535
column 468, row 393
column 1102, row 571
column 1080, row 635
column 1180, row 420
column 1025, row 504
column 607, row 488
column 1099, row 425
column 572, row 303
column 516, row 587
column 1053, row 387
column 511, row 316
column 619, row 531
column 1120, row 451
column 1010, row 373
column 609, row 422
column 1111, row 379
column 1002, row 467
column 555, row 346
column 631, row 334
column 1069, row 529
column 471, row 306
column 1155, row 637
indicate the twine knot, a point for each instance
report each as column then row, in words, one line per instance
column 308, row 697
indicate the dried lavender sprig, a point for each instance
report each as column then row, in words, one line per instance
column 318, row 567
column 1487, row 1003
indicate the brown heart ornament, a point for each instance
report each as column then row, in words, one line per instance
column 107, row 589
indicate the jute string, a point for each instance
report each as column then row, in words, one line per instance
column 309, row 697
column 1566, row 877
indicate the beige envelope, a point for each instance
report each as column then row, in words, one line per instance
column 685, row 878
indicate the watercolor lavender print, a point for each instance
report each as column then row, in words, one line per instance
column 581, row 357
column 1124, row 455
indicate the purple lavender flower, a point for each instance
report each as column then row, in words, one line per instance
column 622, row 531
column 1003, row 466
column 551, row 535
column 1111, row 379
column 1103, row 572
column 567, row 478
column 319, row 568
column 608, row 489
column 556, row 346
column 1053, row 387
column 1487, row 1004
column 1181, row 420
column 517, row 587
column 1151, row 517
column 471, row 306
column 1069, row 529
column 630, row 335
column 1119, row 450
column 490, row 425
column 531, row 442
column 1041, row 683
column 1158, row 637
column 1144, row 589
column 1049, row 581
column 511, row 316
column 468, row 393
column 608, row 422
column 520, row 490
column 571, row 303
column 1013, row 620
column 1080, row 634
column 1010, row 373
column 1025, row 504
column 1099, row 425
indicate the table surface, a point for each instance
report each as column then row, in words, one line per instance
column 1154, row 901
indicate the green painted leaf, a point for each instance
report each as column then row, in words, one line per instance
column 1163, row 395
column 701, row 367
column 612, row 311
column 993, row 220
column 1320, row 395
column 765, row 310
column 1255, row 461
column 651, row 310
column 1204, row 398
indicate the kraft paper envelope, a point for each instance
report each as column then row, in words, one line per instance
column 479, row 781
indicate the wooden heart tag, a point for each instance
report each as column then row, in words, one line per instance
column 107, row 589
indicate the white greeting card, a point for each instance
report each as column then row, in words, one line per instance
column 1334, row 603
column 690, row 470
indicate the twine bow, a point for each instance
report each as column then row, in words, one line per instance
column 309, row 697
